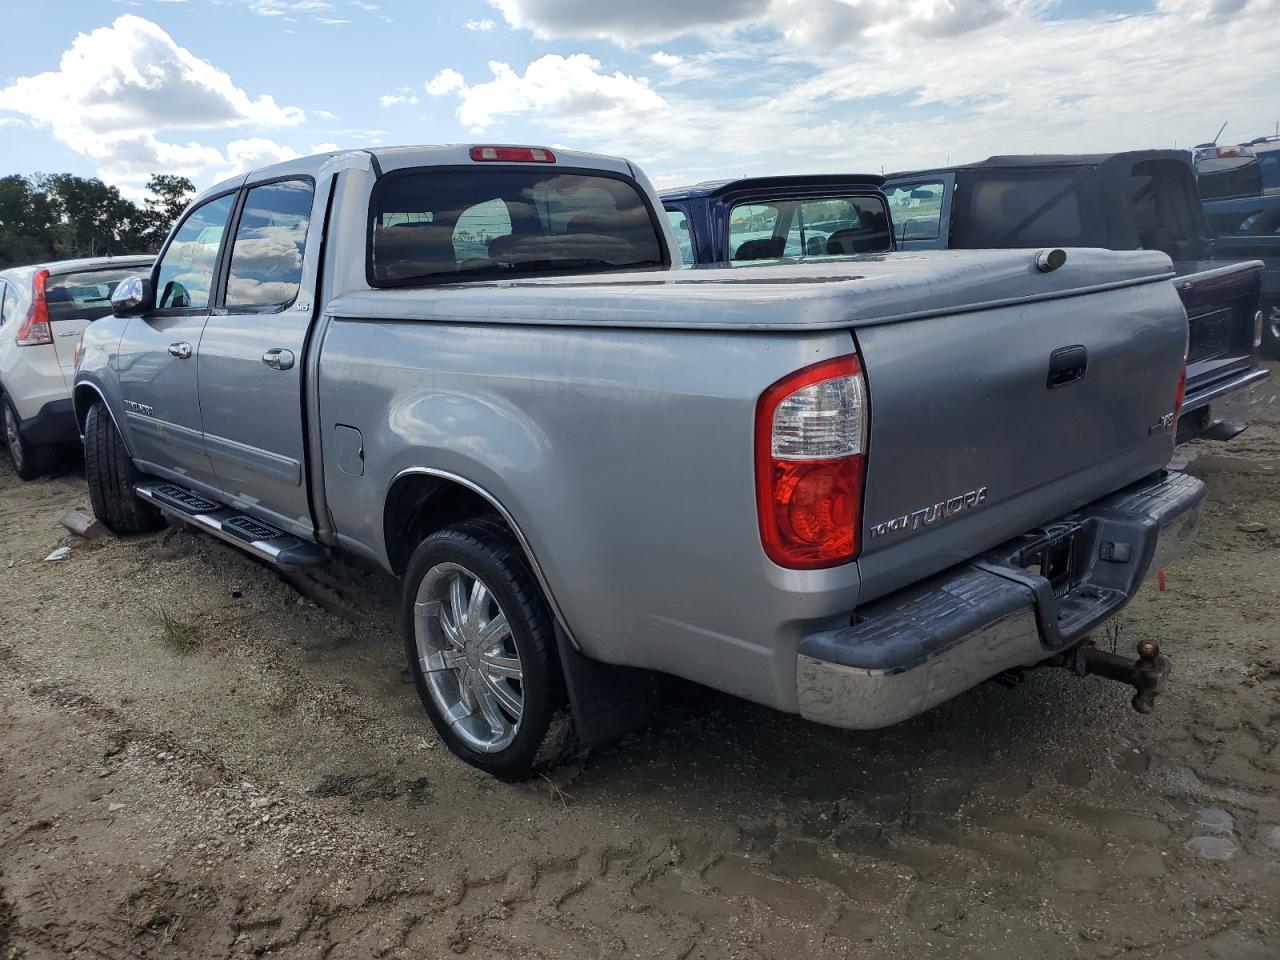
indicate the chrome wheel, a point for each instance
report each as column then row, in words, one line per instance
column 12, row 437
column 468, row 657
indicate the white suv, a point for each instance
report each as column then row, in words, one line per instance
column 43, row 311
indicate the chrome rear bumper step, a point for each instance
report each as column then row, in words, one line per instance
column 248, row 533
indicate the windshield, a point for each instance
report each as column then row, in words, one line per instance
column 448, row 225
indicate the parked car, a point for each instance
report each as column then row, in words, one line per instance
column 752, row 219
column 846, row 489
column 1142, row 199
column 1226, row 171
column 43, row 310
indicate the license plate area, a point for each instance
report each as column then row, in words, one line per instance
column 1210, row 335
column 1057, row 556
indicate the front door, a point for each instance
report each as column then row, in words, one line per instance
column 251, row 357
column 159, row 350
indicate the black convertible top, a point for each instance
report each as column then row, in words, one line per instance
column 1119, row 162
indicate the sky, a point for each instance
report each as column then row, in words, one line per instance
column 688, row 89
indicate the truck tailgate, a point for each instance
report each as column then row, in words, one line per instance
column 1220, row 301
column 986, row 425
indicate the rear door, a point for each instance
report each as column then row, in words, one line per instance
column 251, row 355
column 159, row 350
column 75, row 300
column 921, row 211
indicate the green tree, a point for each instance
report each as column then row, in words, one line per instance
column 26, row 222
column 168, row 196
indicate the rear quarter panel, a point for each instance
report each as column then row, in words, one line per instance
column 624, row 456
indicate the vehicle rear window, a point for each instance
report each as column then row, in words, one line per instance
column 433, row 226
column 1165, row 212
column 814, row 227
column 1269, row 167
column 85, row 295
column 1017, row 209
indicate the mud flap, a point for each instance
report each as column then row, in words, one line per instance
column 608, row 702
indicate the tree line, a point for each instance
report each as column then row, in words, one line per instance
column 60, row 216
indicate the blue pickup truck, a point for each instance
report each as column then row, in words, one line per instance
column 733, row 222
column 1136, row 200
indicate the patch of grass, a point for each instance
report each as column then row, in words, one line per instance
column 182, row 637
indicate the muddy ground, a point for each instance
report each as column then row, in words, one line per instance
column 196, row 762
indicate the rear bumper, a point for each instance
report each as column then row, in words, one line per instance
column 1221, row 409
column 916, row 648
column 54, row 423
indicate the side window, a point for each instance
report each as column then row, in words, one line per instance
column 9, row 305
column 266, row 259
column 184, row 275
column 477, row 227
column 684, row 236
column 751, row 227
column 917, row 209
column 4, row 302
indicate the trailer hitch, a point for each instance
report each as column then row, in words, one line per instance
column 1147, row 674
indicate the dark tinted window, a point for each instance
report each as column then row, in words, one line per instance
column 185, row 275
column 464, row 225
column 1015, row 209
column 85, row 295
column 266, row 260
column 1165, row 209
column 1269, row 165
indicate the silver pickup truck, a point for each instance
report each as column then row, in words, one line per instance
column 849, row 488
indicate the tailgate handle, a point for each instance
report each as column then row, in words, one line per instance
column 1067, row 365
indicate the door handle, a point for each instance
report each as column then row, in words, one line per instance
column 180, row 350
column 278, row 359
column 1067, row 365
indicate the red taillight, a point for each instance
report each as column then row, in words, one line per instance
column 810, row 462
column 36, row 330
column 513, row 154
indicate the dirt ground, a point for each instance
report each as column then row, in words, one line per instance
column 197, row 762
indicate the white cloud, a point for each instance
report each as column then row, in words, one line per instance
column 484, row 25
column 119, row 88
column 553, row 86
column 626, row 20
column 403, row 95
column 446, row 81
column 664, row 59
column 252, row 153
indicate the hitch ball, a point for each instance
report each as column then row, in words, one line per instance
column 1147, row 674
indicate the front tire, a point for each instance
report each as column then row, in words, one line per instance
column 482, row 652
column 112, row 477
column 29, row 460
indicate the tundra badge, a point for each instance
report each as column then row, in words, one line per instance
column 932, row 514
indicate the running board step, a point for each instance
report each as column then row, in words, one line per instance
column 248, row 533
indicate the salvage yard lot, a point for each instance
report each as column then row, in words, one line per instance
column 197, row 762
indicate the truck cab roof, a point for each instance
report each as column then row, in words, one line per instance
column 715, row 188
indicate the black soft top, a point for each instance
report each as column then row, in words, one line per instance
column 1120, row 162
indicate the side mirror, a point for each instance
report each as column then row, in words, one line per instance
column 131, row 296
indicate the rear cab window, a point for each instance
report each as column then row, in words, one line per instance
column 447, row 225
column 85, row 295
column 808, row 228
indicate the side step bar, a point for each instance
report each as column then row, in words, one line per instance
column 248, row 533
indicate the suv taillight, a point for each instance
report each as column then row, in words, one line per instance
column 36, row 330
column 811, row 438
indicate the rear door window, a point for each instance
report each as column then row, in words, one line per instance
column 4, row 303
column 433, row 226
column 917, row 209
column 271, row 237
column 85, row 295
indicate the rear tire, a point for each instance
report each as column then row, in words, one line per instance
column 30, row 460
column 500, row 702
column 112, row 477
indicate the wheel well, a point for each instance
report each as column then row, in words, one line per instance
column 419, row 504
column 82, row 400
